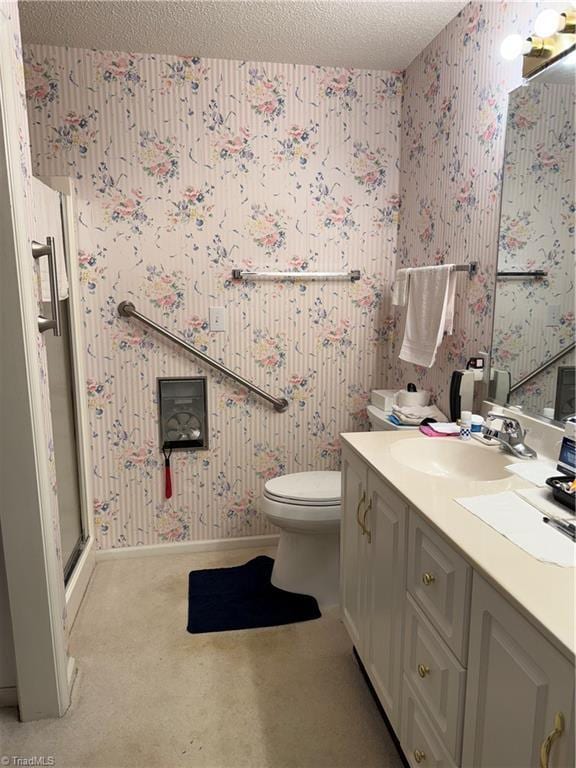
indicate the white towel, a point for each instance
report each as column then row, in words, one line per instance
column 450, row 300
column 401, row 287
column 415, row 414
column 430, row 313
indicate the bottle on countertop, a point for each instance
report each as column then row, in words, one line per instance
column 465, row 425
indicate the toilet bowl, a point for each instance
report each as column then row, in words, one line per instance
column 306, row 508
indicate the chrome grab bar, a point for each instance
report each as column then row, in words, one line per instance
column 543, row 367
column 240, row 274
column 127, row 309
column 38, row 250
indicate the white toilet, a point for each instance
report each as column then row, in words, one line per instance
column 306, row 508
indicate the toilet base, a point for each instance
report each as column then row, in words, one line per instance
column 309, row 563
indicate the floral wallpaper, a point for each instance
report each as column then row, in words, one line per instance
column 537, row 232
column 453, row 121
column 185, row 169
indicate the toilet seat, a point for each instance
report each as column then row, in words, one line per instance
column 305, row 489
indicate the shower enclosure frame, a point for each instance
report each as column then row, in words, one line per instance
column 82, row 570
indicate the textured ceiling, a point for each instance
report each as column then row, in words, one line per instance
column 373, row 34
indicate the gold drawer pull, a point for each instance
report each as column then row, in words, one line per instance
column 549, row 740
column 419, row 756
column 423, row 670
column 428, row 578
column 366, row 531
column 360, row 503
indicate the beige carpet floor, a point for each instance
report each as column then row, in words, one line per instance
column 149, row 694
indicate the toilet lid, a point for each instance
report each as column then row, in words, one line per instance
column 313, row 488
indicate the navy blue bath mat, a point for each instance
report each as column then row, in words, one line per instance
column 242, row 597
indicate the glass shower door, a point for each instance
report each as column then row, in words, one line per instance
column 48, row 223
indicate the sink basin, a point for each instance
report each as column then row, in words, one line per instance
column 451, row 457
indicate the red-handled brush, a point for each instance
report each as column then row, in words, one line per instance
column 167, row 474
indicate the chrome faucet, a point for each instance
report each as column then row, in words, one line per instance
column 511, row 436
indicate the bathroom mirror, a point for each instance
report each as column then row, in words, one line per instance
column 532, row 362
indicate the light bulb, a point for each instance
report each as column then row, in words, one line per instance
column 549, row 22
column 514, row 46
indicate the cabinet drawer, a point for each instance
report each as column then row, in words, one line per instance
column 439, row 580
column 422, row 747
column 437, row 678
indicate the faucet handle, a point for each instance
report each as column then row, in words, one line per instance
column 512, row 427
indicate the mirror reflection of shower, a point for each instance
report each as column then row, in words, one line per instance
column 533, row 355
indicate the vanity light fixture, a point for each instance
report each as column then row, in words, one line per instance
column 514, row 46
column 550, row 22
column 554, row 37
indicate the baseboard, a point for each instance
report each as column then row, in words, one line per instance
column 78, row 583
column 184, row 547
column 9, row 696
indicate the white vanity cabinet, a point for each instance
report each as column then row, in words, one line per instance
column 463, row 676
column 520, row 697
column 373, row 545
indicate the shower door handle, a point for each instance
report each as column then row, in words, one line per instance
column 44, row 323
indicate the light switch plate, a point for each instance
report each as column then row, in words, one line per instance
column 217, row 318
column 553, row 314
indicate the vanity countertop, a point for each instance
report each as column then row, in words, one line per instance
column 545, row 592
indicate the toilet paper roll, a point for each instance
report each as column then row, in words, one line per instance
column 413, row 398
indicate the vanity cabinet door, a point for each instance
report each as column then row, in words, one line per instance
column 518, row 684
column 386, row 522
column 353, row 551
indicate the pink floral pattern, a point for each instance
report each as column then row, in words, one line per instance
column 369, row 166
column 339, row 85
column 165, row 290
column 159, row 157
column 185, row 73
column 192, row 208
column 126, row 209
column 298, row 145
column 119, row 68
column 269, row 462
column 42, row 81
column 269, row 351
column 267, row 229
column 258, row 176
column 76, row 132
column 266, row 95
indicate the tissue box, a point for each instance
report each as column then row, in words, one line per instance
column 383, row 399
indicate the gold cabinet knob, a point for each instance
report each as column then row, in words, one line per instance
column 419, row 756
column 423, row 670
column 428, row 578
